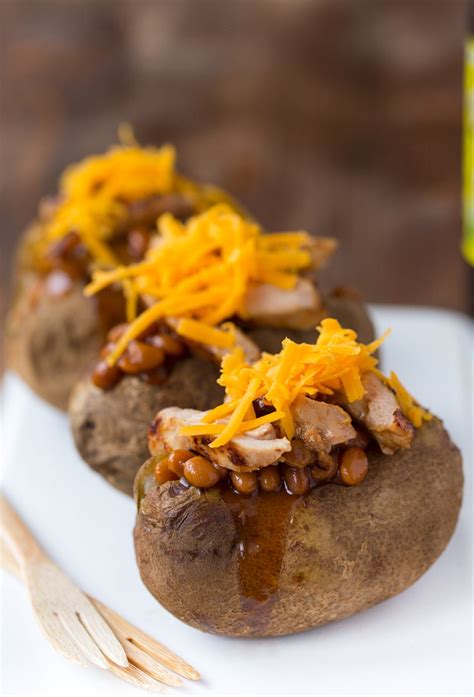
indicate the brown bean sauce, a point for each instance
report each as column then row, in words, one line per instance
column 261, row 525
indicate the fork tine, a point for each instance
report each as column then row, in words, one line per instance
column 135, row 676
column 100, row 631
column 82, row 638
column 150, row 665
column 147, row 643
column 59, row 638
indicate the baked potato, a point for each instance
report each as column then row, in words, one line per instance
column 334, row 492
column 54, row 332
column 110, row 426
column 303, row 561
column 51, row 340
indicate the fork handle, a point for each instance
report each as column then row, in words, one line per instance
column 8, row 561
column 17, row 536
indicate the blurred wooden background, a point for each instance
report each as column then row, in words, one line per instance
column 341, row 116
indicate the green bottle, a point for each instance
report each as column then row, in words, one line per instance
column 468, row 189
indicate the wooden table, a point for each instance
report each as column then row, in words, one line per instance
column 341, row 117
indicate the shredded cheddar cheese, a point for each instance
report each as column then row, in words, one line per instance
column 221, row 338
column 94, row 194
column 334, row 363
column 200, row 272
column 216, row 428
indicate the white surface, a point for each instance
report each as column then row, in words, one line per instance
column 418, row 642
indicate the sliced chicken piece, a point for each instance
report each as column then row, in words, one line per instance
column 380, row 412
column 251, row 350
column 321, row 249
column 216, row 353
column 299, row 308
column 321, row 426
column 244, row 453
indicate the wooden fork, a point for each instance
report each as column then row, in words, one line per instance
column 148, row 661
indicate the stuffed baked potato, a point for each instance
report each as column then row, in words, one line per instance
column 110, row 412
column 104, row 215
column 295, row 523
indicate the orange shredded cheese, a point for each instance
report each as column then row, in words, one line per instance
column 204, row 334
column 219, row 428
column 336, row 362
column 94, row 193
column 200, row 272
column 409, row 407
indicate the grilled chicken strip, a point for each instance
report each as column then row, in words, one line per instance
column 380, row 413
column 244, row 453
column 321, row 426
column 299, row 308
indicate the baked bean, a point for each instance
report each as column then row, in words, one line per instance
column 325, row 468
column 168, row 343
column 138, row 240
column 296, row 480
column 354, row 466
column 116, row 332
column 69, row 255
column 200, row 472
column 327, row 461
column 300, row 455
column 176, row 461
column 244, row 482
column 71, row 268
column 162, row 472
column 360, row 440
column 269, row 478
column 261, row 409
column 106, row 376
column 64, row 246
column 140, row 357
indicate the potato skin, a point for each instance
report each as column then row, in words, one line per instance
column 52, row 341
column 344, row 550
column 110, row 427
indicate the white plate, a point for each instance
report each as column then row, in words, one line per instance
column 418, row 642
